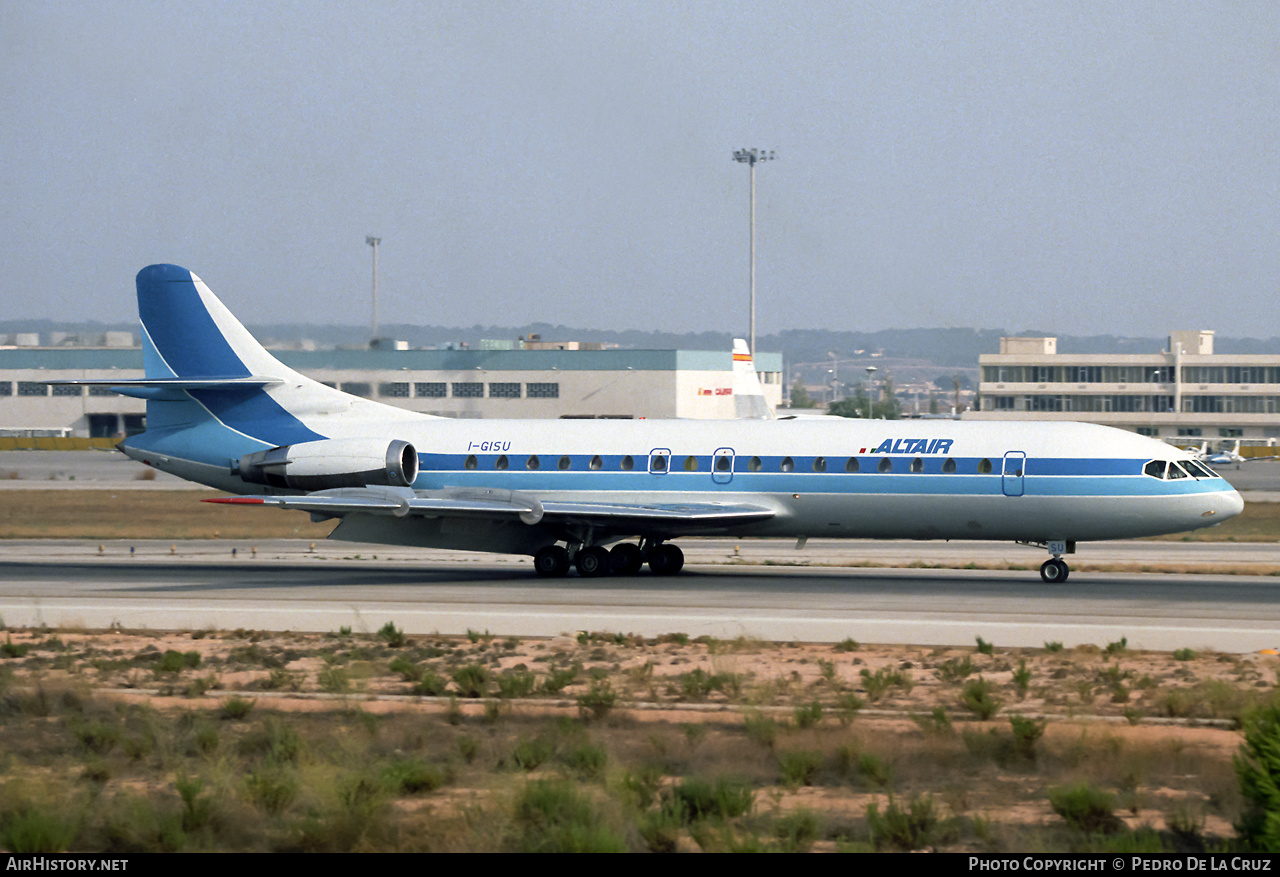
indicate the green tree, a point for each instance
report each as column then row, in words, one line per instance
column 800, row 397
column 1258, row 768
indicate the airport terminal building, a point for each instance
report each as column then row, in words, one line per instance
column 1185, row 394
column 469, row 383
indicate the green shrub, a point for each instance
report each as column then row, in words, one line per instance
column 760, row 728
column 472, row 680
column 531, row 754
column 808, row 716
column 914, row 828
column 1086, row 808
column 236, row 708
column 1257, row 766
column 723, row 798
column 516, row 683
column 1026, row 732
column 799, row 767
column 1184, row 655
column 1022, row 679
column 586, row 760
column 955, row 670
column 598, row 700
column 430, row 684
column 29, row 829
column 848, row 645
column 271, row 788
column 553, row 816
column 978, row 699
column 392, row 635
column 985, row 648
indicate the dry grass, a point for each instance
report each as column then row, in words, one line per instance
column 145, row 514
column 108, row 731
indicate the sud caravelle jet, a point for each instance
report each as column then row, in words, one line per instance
column 608, row 496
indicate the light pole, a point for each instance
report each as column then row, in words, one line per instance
column 871, row 405
column 749, row 157
column 373, row 323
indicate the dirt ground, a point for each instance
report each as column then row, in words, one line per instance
column 1159, row 730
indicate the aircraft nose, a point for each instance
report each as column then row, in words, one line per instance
column 1224, row 506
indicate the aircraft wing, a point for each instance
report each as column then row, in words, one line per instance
column 494, row 503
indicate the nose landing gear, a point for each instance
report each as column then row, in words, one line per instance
column 1054, row 571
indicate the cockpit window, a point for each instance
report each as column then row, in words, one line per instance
column 1155, row 469
column 1199, row 470
column 1175, row 471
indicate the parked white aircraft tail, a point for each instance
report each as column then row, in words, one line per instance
column 748, row 393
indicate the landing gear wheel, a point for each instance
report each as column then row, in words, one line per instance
column 626, row 559
column 1054, row 571
column 551, row 561
column 666, row 560
column 593, row 561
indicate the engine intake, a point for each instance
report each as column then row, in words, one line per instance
column 331, row 463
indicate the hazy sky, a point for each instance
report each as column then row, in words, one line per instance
column 1073, row 166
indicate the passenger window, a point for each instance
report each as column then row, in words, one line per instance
column 754, row 465
column 787, row 464
column 628, row 463
column 984, row 466
column 885, row 465
column 691, row 464
column 470, row 461
column 596, row 463
column 851, row 464
column 819, row 464
column 501, row 462
column 917, row 465
column 949, row 466
column 1155, row 469
column 722, row 463
column 564, row 463
column 532, row 462
column 658, row 463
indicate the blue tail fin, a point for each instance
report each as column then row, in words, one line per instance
column 202, row 365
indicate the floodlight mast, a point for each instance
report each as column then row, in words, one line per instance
column 750, row 157
column 373, row 321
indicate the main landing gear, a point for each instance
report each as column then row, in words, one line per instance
column 624, row 559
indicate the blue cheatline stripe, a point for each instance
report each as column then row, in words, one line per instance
column 1040, row 466
column 180, row 326
column 439, row 470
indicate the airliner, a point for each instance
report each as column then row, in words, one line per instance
column 1223, row 456
column 611, row 496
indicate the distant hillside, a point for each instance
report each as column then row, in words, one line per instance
column 946, row 348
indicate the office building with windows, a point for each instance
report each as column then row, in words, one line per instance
column 1185, row 394
column 471, row 383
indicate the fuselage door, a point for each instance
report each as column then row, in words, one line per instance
column 722, row 466
column 659, row 461
column 1015, row 469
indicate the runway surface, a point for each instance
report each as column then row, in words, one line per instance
column 287, row 586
